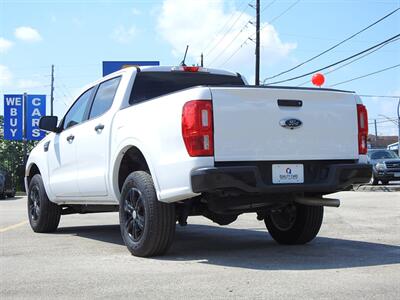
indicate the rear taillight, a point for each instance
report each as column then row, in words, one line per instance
column 197, row 127
column 362, row 117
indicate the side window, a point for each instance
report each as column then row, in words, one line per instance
column 76, row 114
column 104, row 97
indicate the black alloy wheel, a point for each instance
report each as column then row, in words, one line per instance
column 34, row 203
column 134, row 214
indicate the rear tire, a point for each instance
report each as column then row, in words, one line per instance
column 385, row 182
column 373, row 180
column 147, row 225
column 44, row 215
column 11, row 195
column 295, row 224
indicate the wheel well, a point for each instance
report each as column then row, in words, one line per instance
column 133, row 160
column 32, row 172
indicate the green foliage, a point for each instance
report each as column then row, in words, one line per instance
column 12, row 158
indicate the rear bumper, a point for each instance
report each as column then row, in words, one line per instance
column 250, row 179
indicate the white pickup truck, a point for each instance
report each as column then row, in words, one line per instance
column 159, row 144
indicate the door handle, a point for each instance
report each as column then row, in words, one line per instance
column 70, row 138
column 99, row 127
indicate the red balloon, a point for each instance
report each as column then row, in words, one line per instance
column 318, row 79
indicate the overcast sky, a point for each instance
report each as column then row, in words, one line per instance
column 76, row 36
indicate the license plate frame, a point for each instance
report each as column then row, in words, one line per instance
column 287, row 173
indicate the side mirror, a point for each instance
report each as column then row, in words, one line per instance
column 48, row 123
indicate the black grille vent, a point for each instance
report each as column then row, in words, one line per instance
column 393, row 165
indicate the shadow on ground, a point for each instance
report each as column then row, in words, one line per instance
column 11, row 199
column 253, row 249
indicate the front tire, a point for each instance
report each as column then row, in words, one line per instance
column 44, row 215
column 147, row 225
column 295, row 224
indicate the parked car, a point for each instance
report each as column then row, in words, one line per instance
column 6, row 186
column 385, row 166
column 159, row 144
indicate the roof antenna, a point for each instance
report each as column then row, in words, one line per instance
column 184, row 58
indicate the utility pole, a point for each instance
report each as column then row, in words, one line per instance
column 52, row 90
column 257, row 42
column 201, row 60
column 398, row 123
column 376, row 133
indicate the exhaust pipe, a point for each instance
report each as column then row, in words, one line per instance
column 318, row 201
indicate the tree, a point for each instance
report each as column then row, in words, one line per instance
column 12, row 157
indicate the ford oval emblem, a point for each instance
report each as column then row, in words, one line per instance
column 290, row 123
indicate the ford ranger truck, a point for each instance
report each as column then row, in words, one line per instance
column 160, row 144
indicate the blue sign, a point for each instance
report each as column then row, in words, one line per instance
column 113, row 66
column 35, row 109
column 13, row 117
column 14, row 109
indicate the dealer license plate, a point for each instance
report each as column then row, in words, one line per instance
column 287, row 173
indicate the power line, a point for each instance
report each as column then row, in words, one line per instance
column 61, row 82
column 336, row 63
column 233, row 53
column 231, row 42
column 283, row 13
column 60, row 98
column 230, row 28
column 383, row 118
column 276, row 18
column 354, row 60
column 366, row 75
column 223, row 27
column 272, row 2
column 261, row 29
column 319, row 38
column 334, row 46
column 63, row 90
column 384, row 121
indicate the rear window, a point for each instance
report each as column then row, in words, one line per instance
column 153, row 84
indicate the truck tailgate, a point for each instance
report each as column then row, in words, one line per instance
column 247, row 124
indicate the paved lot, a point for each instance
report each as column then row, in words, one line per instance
column 357, row 255
column 393, row 186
